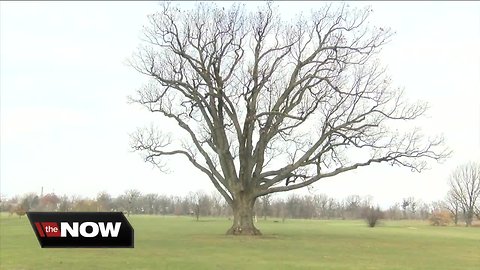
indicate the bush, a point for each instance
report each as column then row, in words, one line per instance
column 373, row 215
column 440, row 218
column 20, row 211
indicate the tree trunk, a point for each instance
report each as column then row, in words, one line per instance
column 469, row 217
column 197, row 211
column 243, row 217
column 455, row 217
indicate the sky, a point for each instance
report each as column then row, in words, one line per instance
column 65, row 120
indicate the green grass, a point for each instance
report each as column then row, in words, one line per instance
column 182, row 243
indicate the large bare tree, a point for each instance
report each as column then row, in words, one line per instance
column 269, row 105
column 465, row 189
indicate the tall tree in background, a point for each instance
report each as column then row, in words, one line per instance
column 452, row 204
column 465, row 189
column 266, row 105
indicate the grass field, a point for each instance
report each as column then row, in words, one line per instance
column 182, row 243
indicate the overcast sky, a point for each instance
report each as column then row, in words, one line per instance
column 65, row 119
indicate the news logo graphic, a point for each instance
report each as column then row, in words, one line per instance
column 82, row 229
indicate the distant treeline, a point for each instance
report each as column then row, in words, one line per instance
column 199, row 204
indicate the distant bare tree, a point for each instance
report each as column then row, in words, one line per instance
column 407, row 205
column 269, row 105
column 150, row 202
column 321, row 202
column 65, row 204
column 424, row 210
column 217, row 203
column 129, row 200
column 452, row 204
column 465, row 188
column 104, row 201
column 394, row 212
column 199, row 202
column 352, row 206
column 265, row 202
